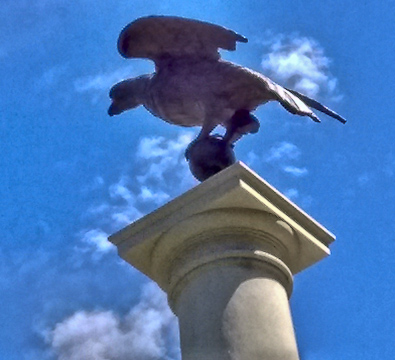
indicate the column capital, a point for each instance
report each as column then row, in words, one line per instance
column 236, row 206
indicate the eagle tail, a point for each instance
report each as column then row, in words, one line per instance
column 317, row 106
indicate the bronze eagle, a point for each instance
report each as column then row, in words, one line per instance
column 192, row 85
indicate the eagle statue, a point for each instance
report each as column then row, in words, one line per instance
column 193, row 86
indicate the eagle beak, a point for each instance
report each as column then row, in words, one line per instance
column 112, row 110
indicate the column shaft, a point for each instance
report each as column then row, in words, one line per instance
column 235, row 309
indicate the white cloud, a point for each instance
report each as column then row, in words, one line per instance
column 123, row 208
column 364, row 179
column 162, row 174
column 156, row 147
column 291, row 193
column 158, row 197
column 148, row 331
column 163, row 161
column 284, row 155
column 252, row 157
column 103, row 81
column 120, row 190
column 300, row 63
column 96, row 184
column 152, row 147
column 283, row 151
column 295, row 171
column 51, row 76
column 98, row 239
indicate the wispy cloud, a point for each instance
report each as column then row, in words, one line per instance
column 156, row 196
column 283, row 166
column 364, row 179
column 77, row 323
column 102, row 81
column 251, row 158
column 162, row 174
column 284, row 155
column 50, row 77
column 163, row 161
column 292, row 193
column 300, row 63
column 98, row 239
column 148, row 331
column 283, row 151
column 295, row 171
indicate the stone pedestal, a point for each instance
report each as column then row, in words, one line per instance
column 225, row 253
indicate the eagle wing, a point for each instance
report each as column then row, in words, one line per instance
column 158, row 37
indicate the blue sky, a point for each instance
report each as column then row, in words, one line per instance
column 71, row 175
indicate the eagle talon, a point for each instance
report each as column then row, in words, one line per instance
column 241, row 123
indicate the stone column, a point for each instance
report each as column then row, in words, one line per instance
column 225, row 253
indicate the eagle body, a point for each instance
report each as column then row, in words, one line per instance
column 187, row 92
column 192, row 86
